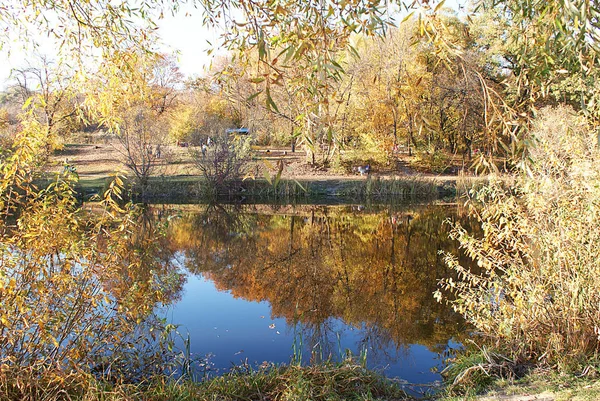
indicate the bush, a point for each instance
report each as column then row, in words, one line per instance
column 77, row 293
column 225, row 160
column 538, row 292
column 366, row 150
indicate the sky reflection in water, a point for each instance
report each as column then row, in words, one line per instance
column 327, row 279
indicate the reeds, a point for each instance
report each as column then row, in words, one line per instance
column 406, row 188
column 466, row 183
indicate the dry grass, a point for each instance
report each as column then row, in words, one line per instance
column 285, row 383
column 538, row 385
column 401, row 189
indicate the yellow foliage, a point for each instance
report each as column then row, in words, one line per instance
column 538, row 293
column 3, row 118
column 74, row 287
column 182, row 122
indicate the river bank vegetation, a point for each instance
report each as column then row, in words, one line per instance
column 319, row 382
column 507, row 87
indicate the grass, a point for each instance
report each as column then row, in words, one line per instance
column 410, row 188
column 466, row 183
column 560, row 387
column 483, row 375
column 326, row 382
column 543, row 384
column 476, row 369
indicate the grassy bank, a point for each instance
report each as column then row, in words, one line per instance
column 539, row 385
column 483, row 374
column 285, row 383
column 325, row 382
column 176, row 189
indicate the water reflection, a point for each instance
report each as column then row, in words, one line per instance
column 328, row 278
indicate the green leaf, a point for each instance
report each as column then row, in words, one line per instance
column 261, row 48
column 253, row 96
column 300, row 185
column 337, row 65
column 27, row 102
column 270, row 103
column 277, row 179
column 353, row 51
column 267, row 177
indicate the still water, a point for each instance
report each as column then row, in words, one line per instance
column 272, row 284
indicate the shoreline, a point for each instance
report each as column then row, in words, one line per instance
column 328, row 191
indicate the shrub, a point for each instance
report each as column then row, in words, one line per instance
column 182, row 124
column 225, row 160
column 77, row 292
column 366, row 150
column 538, row 292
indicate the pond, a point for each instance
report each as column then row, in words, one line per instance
column 272, row 284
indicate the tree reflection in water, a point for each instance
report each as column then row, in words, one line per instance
column 318, row 266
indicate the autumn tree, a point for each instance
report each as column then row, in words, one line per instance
column 534, row 300
column 49, row 90
column 396, row 92
column 136, row 107
column 204, row 112
column 240, row 85
column 59, row 264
